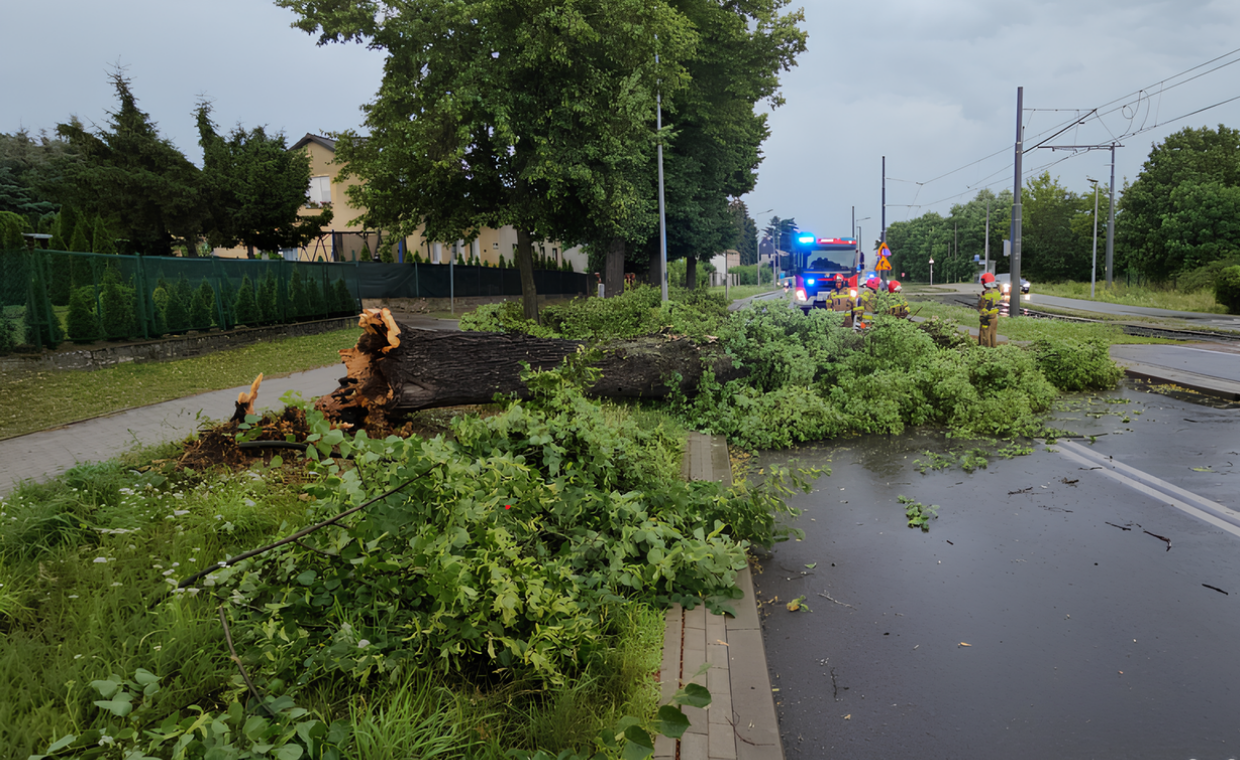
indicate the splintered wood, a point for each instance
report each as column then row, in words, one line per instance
column 245, row 401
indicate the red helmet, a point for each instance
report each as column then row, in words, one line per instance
column 987, row 278
column 839, row 279
column 893, row 286
column 873, row 283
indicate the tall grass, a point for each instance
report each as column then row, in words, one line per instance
column 1028, row 328
column 1152, row 296
column 87, row 564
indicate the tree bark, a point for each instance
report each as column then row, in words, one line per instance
column 613, row 272
column 397, row 369
column 525, row 262
column 691, row 271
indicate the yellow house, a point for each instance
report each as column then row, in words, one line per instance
column 340, row 241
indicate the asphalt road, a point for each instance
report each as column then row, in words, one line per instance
column 1042, row 616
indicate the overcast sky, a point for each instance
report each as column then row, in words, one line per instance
column 929, row 85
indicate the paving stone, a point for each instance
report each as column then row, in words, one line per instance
column 752, row 702
column 746, row 607
column 694, row 747
column 696, row 617
column 721, row 742
column 716, row 628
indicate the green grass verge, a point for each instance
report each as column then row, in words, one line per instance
column 738, row 292
column 1200, row 300
column 84, row 558
column 31, row 401
column 1028, row 329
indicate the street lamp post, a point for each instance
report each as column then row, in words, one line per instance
column 857, row 253
column 932, row 271
column 1093, row 269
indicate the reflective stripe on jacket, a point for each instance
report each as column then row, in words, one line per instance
column 988, row 303
column 865, row 302
column 841, row 301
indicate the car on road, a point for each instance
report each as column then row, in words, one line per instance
column 1005, row 283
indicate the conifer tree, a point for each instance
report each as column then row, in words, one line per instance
column 267, row 306
column 247, row 304
column 344, row 304
column 202, row 308
column 116, row 306
column 102, row 240
column 177, row 311
column 314, row 299
column 296, row 296
column 42, row 326
column 83, row 322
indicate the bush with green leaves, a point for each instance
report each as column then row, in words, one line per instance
column 638, row 311
column 117, row 302
column 505, row 555
column 83, row 321
column 1077, row 365
column 246, row 308
column 202, row 307
column 1227, row 289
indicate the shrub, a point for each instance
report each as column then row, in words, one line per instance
column 176, row 313
column 1227, row 289
column 117, row 315
column 344, row 303
column 83, row 323
column 296, row 297
column 42, row 326
column 508, row 557
column 202, row 307
column 1077, row 365
column 268, row 305
column 8, row 333
column 246, row 309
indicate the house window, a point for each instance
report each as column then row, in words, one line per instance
column 319, row 195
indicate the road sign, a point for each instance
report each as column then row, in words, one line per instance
column 883, row 265
column 883, row 250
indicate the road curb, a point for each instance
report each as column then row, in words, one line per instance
column 740, row 723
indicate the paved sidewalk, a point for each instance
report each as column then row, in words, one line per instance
column 38, row 456
column 740, row 723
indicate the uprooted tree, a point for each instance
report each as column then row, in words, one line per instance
column 396, row 369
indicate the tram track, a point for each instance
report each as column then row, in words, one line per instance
column 1130, row 328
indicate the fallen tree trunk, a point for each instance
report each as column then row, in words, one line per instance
column 396, row 369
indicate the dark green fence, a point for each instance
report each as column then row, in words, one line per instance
column 48, row 297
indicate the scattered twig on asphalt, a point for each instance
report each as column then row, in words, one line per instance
column 1160, row 538
column 1121, row 527
column 837, row 601
column 1023, row 490
column 1216, row 588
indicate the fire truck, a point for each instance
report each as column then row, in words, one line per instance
column 815, row 261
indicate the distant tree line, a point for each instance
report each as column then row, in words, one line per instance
column 1178, row 221
column 148, row 195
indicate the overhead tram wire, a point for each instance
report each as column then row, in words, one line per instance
column 1097, row 112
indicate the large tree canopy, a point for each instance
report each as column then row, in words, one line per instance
column 530, row 113
column 1175, row 215
column 716, row 148
column 252, row 189
column 144, row 187
column 28, row 167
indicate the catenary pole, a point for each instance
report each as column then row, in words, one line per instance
column 1093, row 267
column 1111, row 222
column 883, row 235
column 1014, row 292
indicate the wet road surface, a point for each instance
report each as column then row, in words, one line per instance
column 1100, row 621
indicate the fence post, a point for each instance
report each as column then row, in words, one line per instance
column 219, row 293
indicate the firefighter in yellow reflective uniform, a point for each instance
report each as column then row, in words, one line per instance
column 842, row 300
column 988, row 312
column 899, row 307
column 865, row 302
